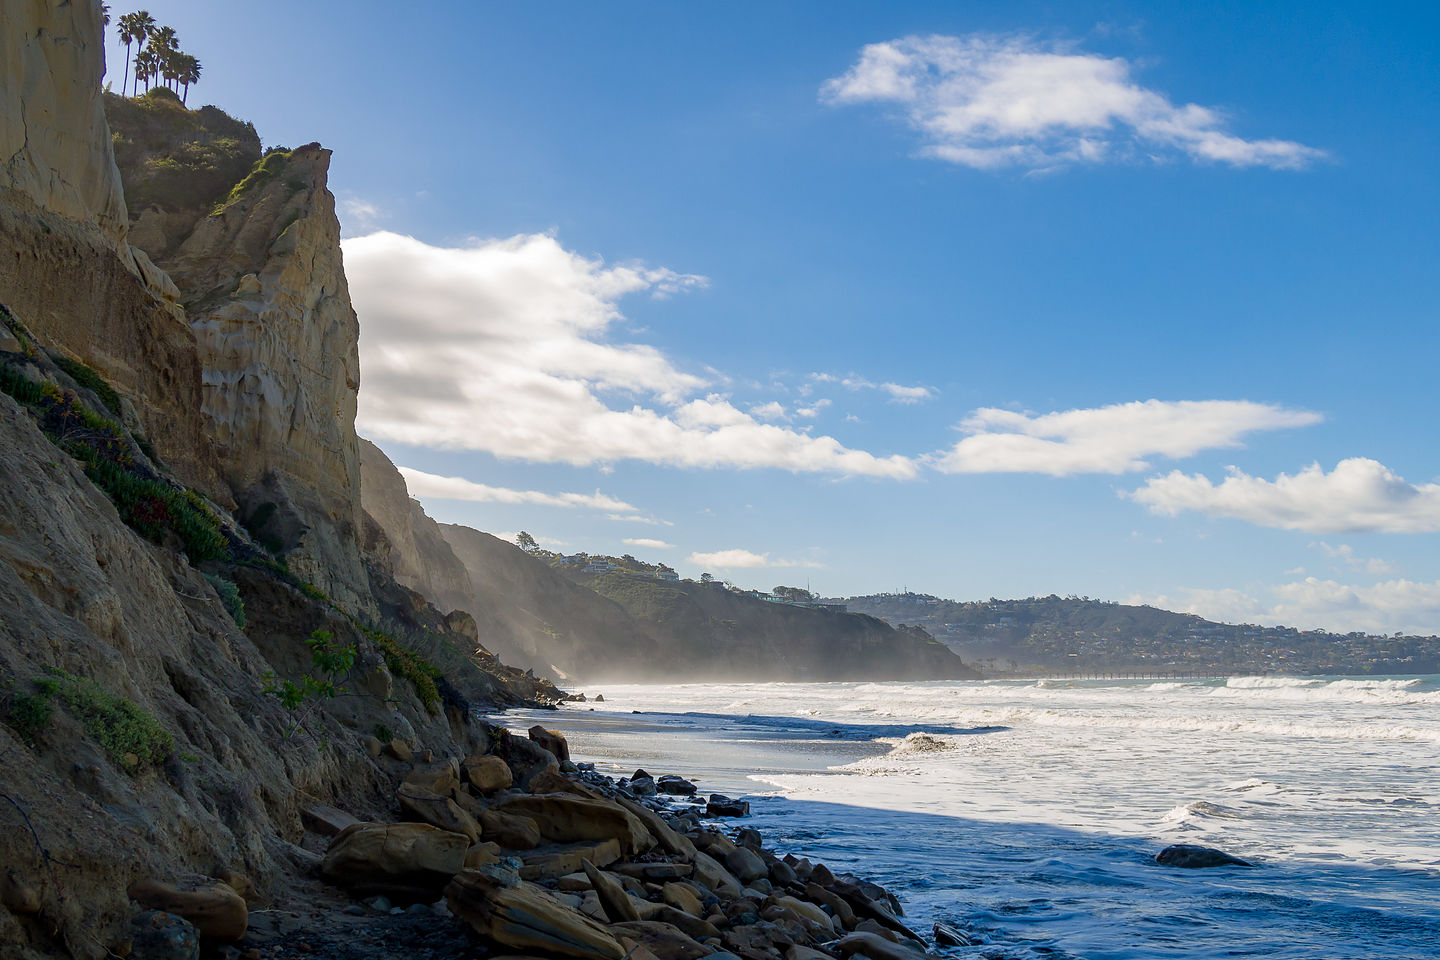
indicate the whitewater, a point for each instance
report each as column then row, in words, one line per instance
column 1028, row 813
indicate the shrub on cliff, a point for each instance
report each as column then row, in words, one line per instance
column 132, row 736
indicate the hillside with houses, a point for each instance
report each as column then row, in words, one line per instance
column 1078, row 635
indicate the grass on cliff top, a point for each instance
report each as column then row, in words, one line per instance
column 176, row 158
column 132, row 736
column 267, row 168
column 147, row 503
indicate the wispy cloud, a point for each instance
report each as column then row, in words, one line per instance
column 421, row 484
column 898, row 392
column 358, row 216
column 1345, row 553
column 502, row 346
column 990, row 101
column 734, row 559
column 1389, row 606
column 648, row 543
column 1358, row 496
column 1111, row 439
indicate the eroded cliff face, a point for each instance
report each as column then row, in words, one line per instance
column 65, row 260
column 264, row 289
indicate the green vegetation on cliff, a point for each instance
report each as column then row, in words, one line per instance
column 177, row 159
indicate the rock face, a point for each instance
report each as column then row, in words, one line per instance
column 264, row 288
column 418, row 553
column 404, row 859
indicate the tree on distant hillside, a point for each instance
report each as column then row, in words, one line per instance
column 189, row 73
column 526, row 542
column 793, row 594
column 134, row 28
column 706, row 578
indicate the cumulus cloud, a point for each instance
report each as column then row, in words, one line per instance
column 737, row 559
column 1358, row 496
column 421, row 484
column 649, row 543
column 1113, row 439
column 1390, row 606
column 503, row 346
column 774, row 410
column 1346, row 554
column 994, row 101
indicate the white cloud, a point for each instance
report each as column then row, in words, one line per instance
column 1407, row 606
column 813, row 410
column 899, row 393
column 991, row 101
column 774, row 410
column 501, row 346
column 1112, row 439
column 648, row 543
column 421, row 484
column 1346, row 553
column 1358, row 496
column 510, row 535
column 358, row 216
column 736, row 559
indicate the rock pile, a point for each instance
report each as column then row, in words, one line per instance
column 574, row 866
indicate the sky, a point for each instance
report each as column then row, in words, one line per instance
column 1128, row 301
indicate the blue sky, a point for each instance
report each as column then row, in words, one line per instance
column 738, row 280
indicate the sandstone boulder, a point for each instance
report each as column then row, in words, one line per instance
column 441, row 778
column 675, row 786
column 553, row 781
column 723, row 806
column 487, row 774
column 745, row 864
column 710, row 873
column 549, row 863
column 551, row 740
column 665, row 940
column 672, row 841
column 481, row 855
column 569, row 819
column 526, row 759
column 211, row 906
column 510, row 830
column 613, row 898
column 438, row 811
column 527, row 919
column 325, row 820
column 408, row 859
column 682, row 896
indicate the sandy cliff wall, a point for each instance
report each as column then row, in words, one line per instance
column 65, row 263
column 413, row 545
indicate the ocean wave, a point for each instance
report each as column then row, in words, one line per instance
column 1404, row 692
column 1202, row 809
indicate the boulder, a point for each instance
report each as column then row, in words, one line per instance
column 481, row 855
column 682, row 896
column 723, row 806
column 551, row 740
column 672, row 841
column 487, row 774
column 569, row 819
column 438, row 811
column 441, row 778
column 549, row 863
column 876, row 947
column 613, row 898
column 1190, row 856
column 710, row 873
column 325, row 820
column 839, row 908
column 676, row 786
column 655, row 872
column 948, row 936
column 745, row 864
column 212, row 906
column 781, row 873
column 526, row 759
column 527, row 919
column 796, row 952
column 749, row 838
column 691, row 926
column 400, row 750
column 641, row 787
column 553, row 781
column 157, row 935
column 510, row 830
column 665, row 940
column 408, row 859
column 806, row 911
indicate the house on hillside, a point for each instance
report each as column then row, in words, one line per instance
column 599, row 566
column 664, row 573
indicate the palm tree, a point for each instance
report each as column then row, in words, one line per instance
column 189, row 73
column 146, row 62
column 163, row 41
column 134, row 27
column 170, row 66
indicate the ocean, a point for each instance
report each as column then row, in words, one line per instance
column 1028, row 813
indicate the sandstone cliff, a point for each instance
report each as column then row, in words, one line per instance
column 165, row 681
column 412, row 543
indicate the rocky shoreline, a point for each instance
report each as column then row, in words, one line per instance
column 518, row 851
